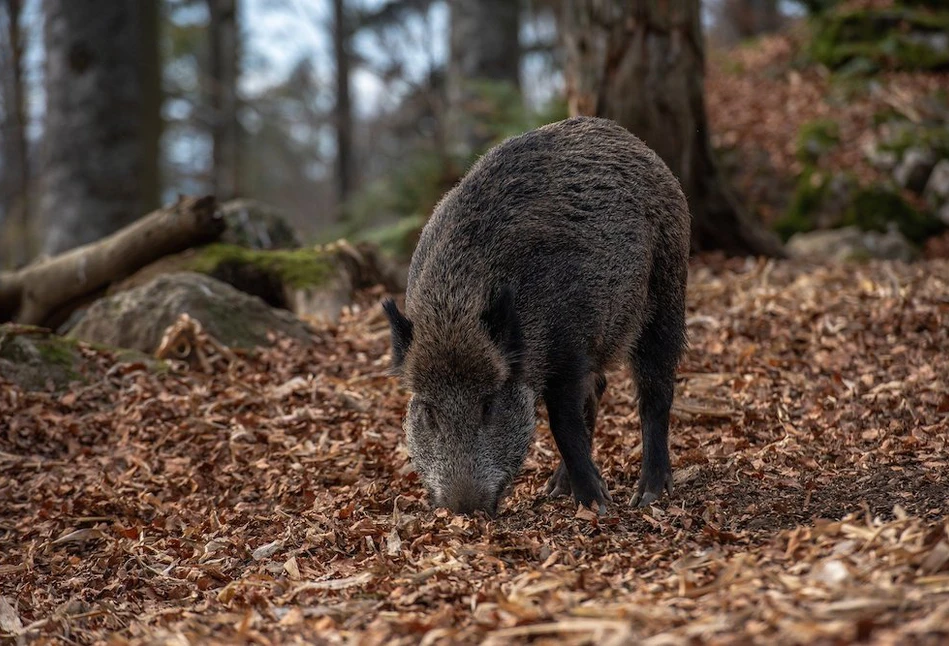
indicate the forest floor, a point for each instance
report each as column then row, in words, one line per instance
column 271, row 501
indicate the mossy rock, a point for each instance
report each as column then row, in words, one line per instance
column 898, row 37
column 877, row 208
column 256, row 225
column 137, row 318
column 266, row 274
column 36, row 359
column 902, row 135
column 818, row 202
column 262, row 273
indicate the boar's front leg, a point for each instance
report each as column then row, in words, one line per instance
column 565, row 400
column 559, row 482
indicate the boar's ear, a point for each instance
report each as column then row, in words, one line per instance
column 401, row 332
column 500, row 319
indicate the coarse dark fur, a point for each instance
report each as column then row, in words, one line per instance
column 561, row 253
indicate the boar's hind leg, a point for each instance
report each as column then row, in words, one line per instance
column 571, row 420
column 654, row 361
column 559, row 483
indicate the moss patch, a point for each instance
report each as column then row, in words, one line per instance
column 898, row 37
column 38, row 360
column 809, row 194
column 875, row 208
column 903, row 135
column 296, row 267
column 816, row 138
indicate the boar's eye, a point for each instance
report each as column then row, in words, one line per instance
column 428, row 413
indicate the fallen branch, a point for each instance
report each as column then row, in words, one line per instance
column 33, row 293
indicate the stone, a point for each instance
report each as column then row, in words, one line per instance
column 36, row 359
column 943, row 214
column 879, row 157
column 914, row 169
column 937, row 186
column 256, row 225
column 137, row 318
column 850, row 243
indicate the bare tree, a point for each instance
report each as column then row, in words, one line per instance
column 15, row 183
column 342, row 33
column 642, row 65
column 102, row 118
column 223, row 99
column 484, row 46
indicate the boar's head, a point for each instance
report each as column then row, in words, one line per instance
column 470, row 420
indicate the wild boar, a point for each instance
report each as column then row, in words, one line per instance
column 561, row 253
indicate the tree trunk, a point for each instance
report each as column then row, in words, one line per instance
column 642, row 65
column 33, row 293
column 100, row 80
column 343, row 111
column 223, row 98
column 484, row 47
column 15, row 184
column 752, row 17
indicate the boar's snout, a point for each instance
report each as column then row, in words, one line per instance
column 467, row 498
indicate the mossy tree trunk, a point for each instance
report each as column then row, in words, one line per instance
column 642, row 65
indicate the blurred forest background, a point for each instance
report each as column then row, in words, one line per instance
column 352, row 117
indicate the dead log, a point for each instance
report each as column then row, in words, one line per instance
column 33, row 293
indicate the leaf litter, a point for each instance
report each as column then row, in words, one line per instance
column 270, row 499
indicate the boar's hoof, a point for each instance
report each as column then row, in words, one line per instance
column 559, row 483
column 649, row 490
column 595, row 496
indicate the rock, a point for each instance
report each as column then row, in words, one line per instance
column 937, row 41
column 850, row 243
column 914, row 169
column 879, row 157
column 943, row 214
column 36, row 359
column 937, row 186
column 138, row 317
column 256, row 225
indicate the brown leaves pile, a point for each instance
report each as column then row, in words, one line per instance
column 271, row 501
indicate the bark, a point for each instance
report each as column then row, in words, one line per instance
column 15, row 185
column 343, row 110
column 752, row 17
column 484, row 46
column 642, row 65
column 33, row 293
column 101, row 75
column 223, row 98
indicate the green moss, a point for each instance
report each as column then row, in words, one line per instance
column 906, row 134
column 296, row 267
column 809, row 193
column 816, row 138
column 38, row 359
column 861, row 41
column 58, row 350
column 875, row 208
